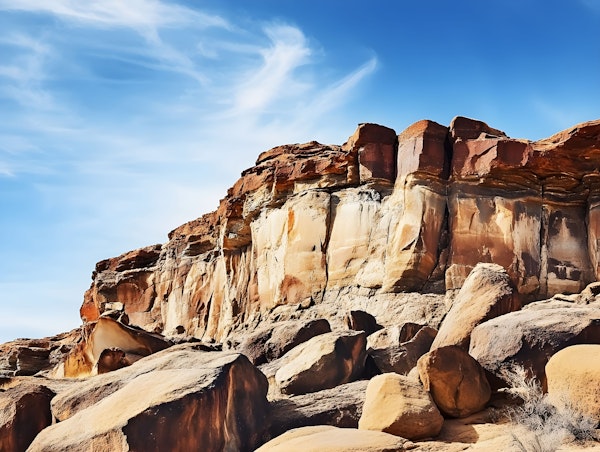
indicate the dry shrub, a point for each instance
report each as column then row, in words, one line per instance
column 543, row 426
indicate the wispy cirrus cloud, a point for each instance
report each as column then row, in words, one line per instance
column 126, row 119
column 140, row 15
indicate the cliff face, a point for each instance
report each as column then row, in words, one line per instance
column 381, row 214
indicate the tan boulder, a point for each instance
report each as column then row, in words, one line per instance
column 180, row 399
column 332, row 439
column 274, row 340
column 24, row 412
column 486, row 293
column 573, row 376
column 455, row 380
column 323, row 362
column 400, row 406
column 529, row 337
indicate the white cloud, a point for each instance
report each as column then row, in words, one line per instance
column 140, row 15
column 275, row 76
column 110, row 180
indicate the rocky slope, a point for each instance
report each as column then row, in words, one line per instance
column 421, row 291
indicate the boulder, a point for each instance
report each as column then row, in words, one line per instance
column 456, row 381
column 393, row 335
column 109, row 334
column 362, row 321
column 323, row 362
column 529, row 337
column 332, row 439
column 486, row 293
column 573, row 376
column 24, row 412
column 273, row 341
column 401, row 357
column 179, row 399
column 339, row 407
column 400, row 406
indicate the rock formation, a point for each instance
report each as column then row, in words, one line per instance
column 369, row 296
column 382, row 214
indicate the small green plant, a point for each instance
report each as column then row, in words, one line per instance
column 542, row 425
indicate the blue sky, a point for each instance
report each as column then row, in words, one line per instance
column 121, row 120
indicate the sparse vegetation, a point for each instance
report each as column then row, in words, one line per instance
column 542, row 425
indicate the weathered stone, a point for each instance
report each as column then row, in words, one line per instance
column 529, row 337
column 397, row 405
column 362, row 321
column 107, row 334
column 455, row 380
column 273, row 341
column 486, row 293
column 323, row 362
column 376, row 149
column 31, row 356
column 393, row 335
column 402, row 357
column 179, row 399
column 332, row 439
column 573, row 376
column 24, row 412
column 339, row 407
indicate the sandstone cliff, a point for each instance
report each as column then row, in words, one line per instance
column 380, row 215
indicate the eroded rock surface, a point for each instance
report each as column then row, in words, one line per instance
column 529, row 337
column 381, row 214
column 179, row 399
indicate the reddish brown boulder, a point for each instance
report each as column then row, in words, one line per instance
column 24, row 412
column 376, row 149
column 362, row 321
column 423, row 149
column 455, row 380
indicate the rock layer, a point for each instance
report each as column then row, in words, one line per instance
column 383, row 214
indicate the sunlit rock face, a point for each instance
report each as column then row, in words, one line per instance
column 383, row 213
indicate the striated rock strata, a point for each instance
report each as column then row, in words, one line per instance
column 379, row 215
